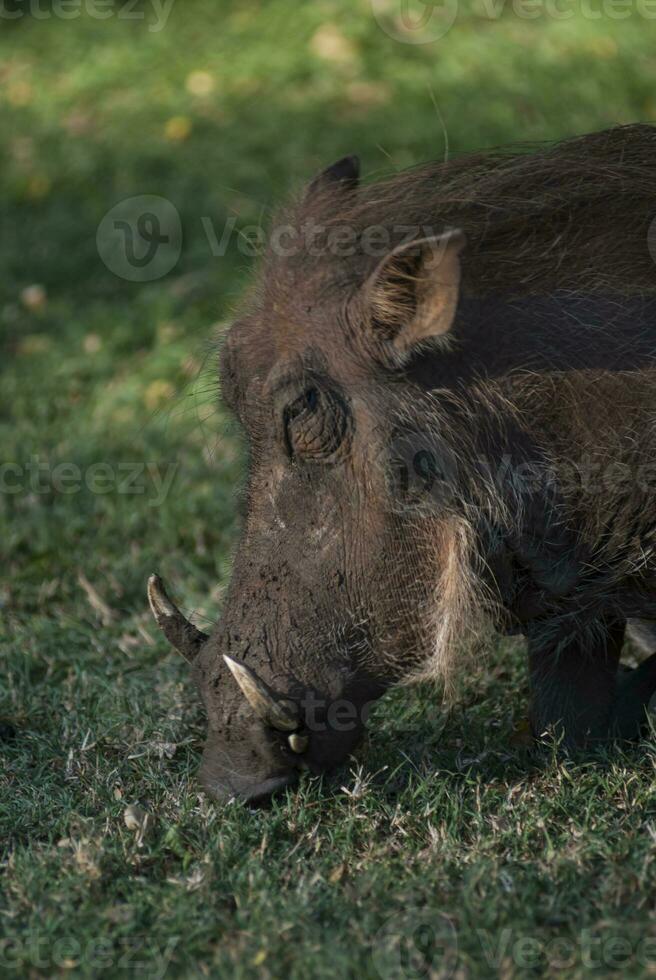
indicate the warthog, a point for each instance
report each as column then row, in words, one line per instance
column 446, row 380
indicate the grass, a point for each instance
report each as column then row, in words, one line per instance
column 444, row 845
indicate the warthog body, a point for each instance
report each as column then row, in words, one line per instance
column 447, row 382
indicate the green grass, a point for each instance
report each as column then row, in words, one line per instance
column 442, row 831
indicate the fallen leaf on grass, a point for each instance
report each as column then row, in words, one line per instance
column 138, row 820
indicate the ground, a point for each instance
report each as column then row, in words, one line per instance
column 446, row 847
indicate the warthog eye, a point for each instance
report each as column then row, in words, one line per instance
column 316, row 423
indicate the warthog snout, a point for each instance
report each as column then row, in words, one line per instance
column 267, row 739
column 261, row 739
column 249, row 773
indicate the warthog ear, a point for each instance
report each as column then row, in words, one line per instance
column 345, row 172
column 413, row 293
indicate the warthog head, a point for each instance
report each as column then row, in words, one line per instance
column 338, row 588
column 416, row 417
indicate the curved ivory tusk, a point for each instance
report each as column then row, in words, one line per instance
column 180, row 633
column 298, row 743
column 282, row 715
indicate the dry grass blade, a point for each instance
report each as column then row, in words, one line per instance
column 105, row 613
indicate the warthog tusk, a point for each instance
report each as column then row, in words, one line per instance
column 180, row 633
column 282, row 715
column 298, row 743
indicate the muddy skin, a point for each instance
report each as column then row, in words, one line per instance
column 448, row 435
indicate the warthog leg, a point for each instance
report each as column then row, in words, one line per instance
column 635, row 688
column 580, row 695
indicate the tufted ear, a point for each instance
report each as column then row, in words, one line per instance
column 413, row 293
column 345, row 172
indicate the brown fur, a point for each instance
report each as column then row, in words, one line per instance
column 574, row 215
